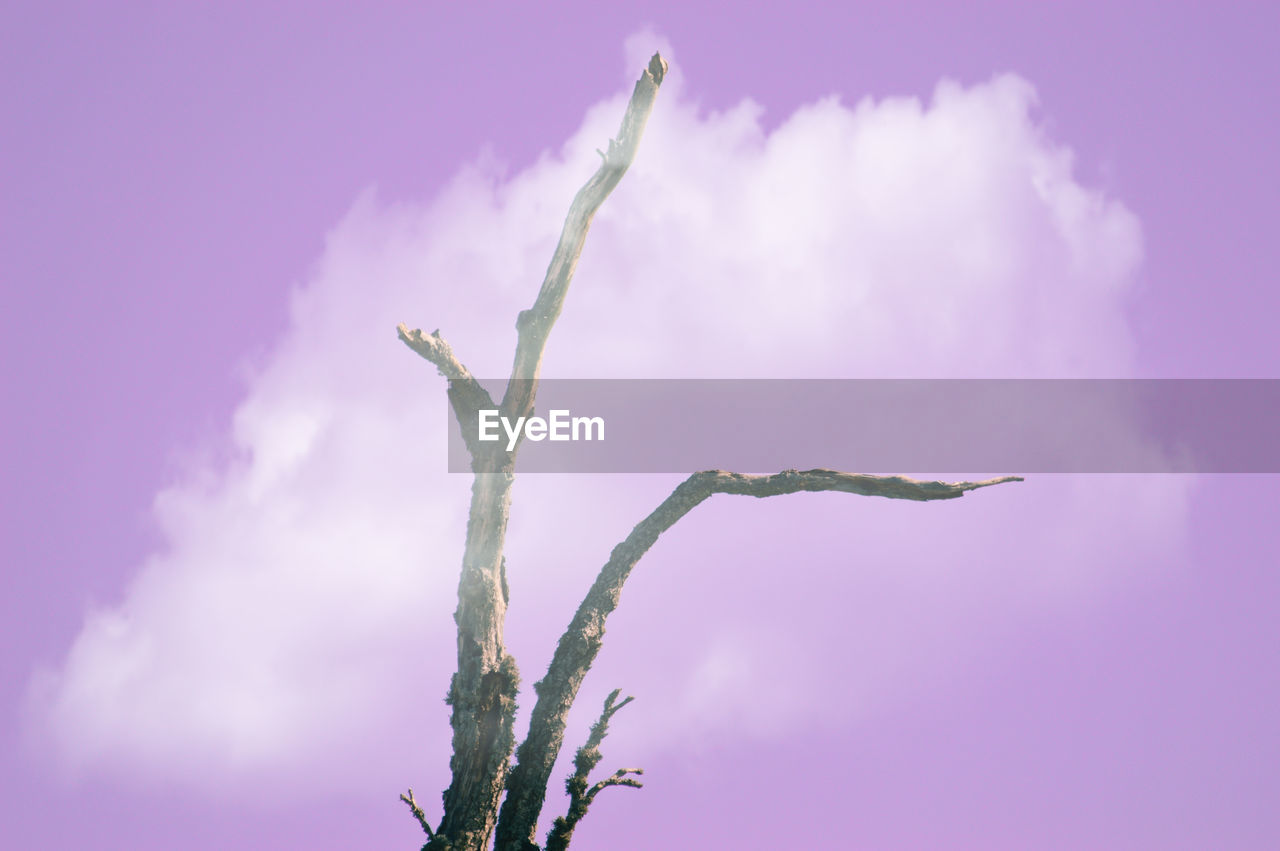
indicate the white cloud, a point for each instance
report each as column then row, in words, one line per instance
column 299, row 616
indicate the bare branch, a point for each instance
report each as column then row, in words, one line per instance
column 437, row 350
column 466, row 395
column 434, row 348
column 619, row 778
column 577, row 649
column 587, row 758
column 535, row 324
column 418, row 813
column 710, row 482
column 483, row 690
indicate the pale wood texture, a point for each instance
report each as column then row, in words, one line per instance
column 581, row 642
column 483, row 691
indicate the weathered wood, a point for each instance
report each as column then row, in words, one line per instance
column 534, row 324
column 584, row 761
column 483, row 691
column 581, row 642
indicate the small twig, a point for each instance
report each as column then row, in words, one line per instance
column 586, row 759
column 418, row 813
column 619, row 778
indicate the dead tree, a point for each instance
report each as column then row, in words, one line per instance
column 483, row 691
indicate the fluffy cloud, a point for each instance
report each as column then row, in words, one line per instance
column 297, row 623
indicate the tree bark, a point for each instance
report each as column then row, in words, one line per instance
column 581, row 642
column 483, row 691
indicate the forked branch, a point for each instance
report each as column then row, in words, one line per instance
column 482, row 694
column 584, row 762
column 418, row 813
column 483, row 691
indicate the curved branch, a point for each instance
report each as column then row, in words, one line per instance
column 578, row 647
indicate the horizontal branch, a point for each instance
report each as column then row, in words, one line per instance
column 581, row 642
column 710, row 482
column 618, row 778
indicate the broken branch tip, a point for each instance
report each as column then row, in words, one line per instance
column 658, row 68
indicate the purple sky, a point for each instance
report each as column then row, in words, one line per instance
column 196, row 275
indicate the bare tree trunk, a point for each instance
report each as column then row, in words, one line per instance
column 483, row 691
column 484, row 688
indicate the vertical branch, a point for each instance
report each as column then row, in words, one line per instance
column 535, row 323
column 483, row 691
